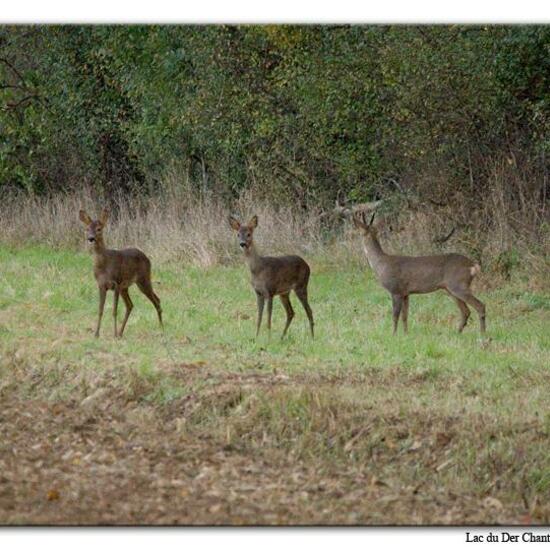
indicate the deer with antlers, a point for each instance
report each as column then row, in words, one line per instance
column 402, row 276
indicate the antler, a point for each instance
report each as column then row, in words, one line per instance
column 442, row 240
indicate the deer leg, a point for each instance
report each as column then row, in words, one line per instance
column 302, row 296
column 464, row 312
column 102, row 296
column 260, row 300
column 479, row 306
column 269, row 312
column 115, row 308
column 129, row 306
column 147, row 289
column 405, row 313
column 285, row 299
column 397, row 302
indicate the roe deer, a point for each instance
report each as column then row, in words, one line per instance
column 404, row 275
column 272, row 276
column 117, row 270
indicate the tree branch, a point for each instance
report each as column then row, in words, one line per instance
column 14, row 106
column 14, row 70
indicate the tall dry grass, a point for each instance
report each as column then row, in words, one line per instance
column 505, row 230
column 173, row 225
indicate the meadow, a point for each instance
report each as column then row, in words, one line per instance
column 203, row 424
column 442, row 130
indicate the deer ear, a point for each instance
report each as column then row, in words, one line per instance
column 84, row 218
column 104, row 216
column 253, row 223
column 234, row 223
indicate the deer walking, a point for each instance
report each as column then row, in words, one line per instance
column 272, row 276
column 405, row 275
column 117, row 270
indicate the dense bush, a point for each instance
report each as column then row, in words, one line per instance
column 312, row 110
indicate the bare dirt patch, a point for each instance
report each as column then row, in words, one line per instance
column 255, row 448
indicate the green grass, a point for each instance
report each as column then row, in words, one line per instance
column 462, row 417
column 48, row 306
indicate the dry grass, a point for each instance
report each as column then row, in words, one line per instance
column 506, row 230
column 502, row 219
column 259, row 448
column 175, row 225
column 207, row 425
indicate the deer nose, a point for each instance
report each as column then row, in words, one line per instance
column 91, row 239
column 242, row 245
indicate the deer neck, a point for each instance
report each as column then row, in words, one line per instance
column 99, row 250
column 375, row 254
column 253, row 258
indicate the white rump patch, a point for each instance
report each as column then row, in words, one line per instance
column 475, row 269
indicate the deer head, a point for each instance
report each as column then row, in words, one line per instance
column 360, row 222
column 94, row 228
column 244, row 231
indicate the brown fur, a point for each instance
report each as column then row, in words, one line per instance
column 405, row 275
column 117, row 270
column 273, row 276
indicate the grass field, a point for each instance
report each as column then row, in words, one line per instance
column 205, row 425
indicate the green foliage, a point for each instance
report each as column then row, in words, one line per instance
column 312, row 109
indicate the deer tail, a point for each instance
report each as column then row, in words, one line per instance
column 475, row 270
